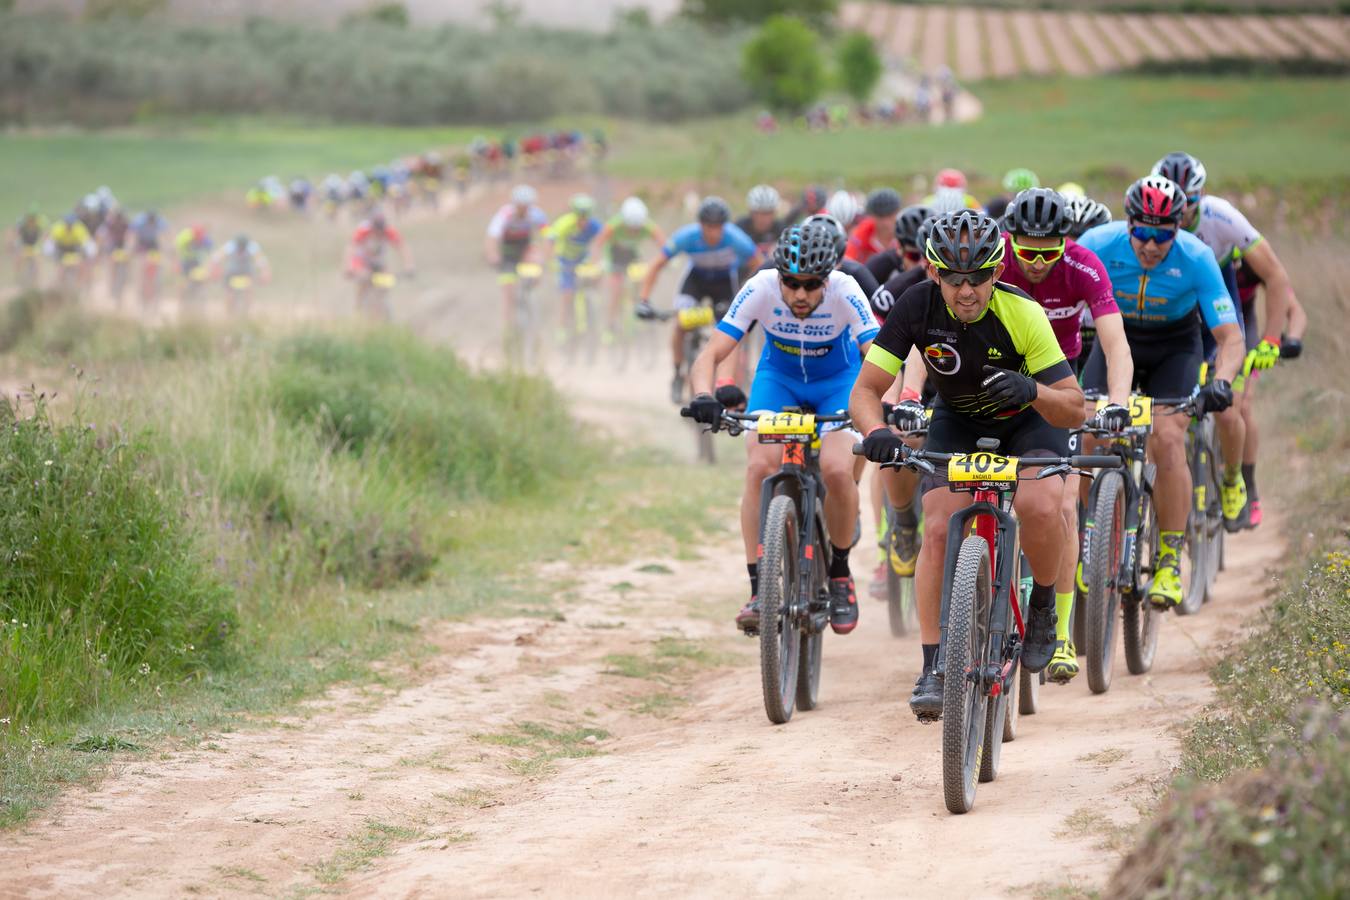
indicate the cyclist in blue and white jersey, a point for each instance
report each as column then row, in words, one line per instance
column 1161, row 274
column 1226, row 231
column 717, row 252
column 817, row 329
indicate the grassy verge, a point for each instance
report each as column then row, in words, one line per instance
column 342, row 490
column 1260, row 803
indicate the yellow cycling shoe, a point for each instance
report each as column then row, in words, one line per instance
column 1165, row 591
column 1234, row 498
column 903, row 552
column 1064, row 664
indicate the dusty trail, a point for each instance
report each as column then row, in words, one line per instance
column 476, row 778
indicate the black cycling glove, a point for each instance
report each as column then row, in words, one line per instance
column 1215, row 397
column 907, row 415
column 1112, row 417
column 1290, row 348
column 1009, row 389
column 730, row 396
column 705, row 408
column 883, row 445
column 643, row 309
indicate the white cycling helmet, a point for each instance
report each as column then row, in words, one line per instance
column 947, row 200
column 633, row 212
column 843, row 207
column 762, row 198
column 523, row 195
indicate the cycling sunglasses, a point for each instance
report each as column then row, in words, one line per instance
column 1046, row 255
column 1145, row 233
column 956, row 278
column 793, row 283
column 1193, row 199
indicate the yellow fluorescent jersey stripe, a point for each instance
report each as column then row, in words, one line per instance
column 885, row 359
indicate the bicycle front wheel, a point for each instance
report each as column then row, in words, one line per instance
column 779, row 637
column 964, row 701
column 1101, row 575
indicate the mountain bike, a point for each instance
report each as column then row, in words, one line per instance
column 980, row 647
column 70, row 274
column 372, row 292
column 901, row 607
column 118, row 268
column 695, row 322
column 194, row 279
column 522, row 333
column 1204, row 526
column 586, row 325
column 238, row 290
column 794, row 558
column 28, row 266
column 622, row 334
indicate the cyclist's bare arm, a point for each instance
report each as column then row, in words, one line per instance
column 654, row 270
column 864, row 403
column 1279, row 290
column 603, row 237
column 490, row 252
column 1232, row 351
column 704, row 369
column 1061, row 403
column 1298, row 319
column 1119, row 362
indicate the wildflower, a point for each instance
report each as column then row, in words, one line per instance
column 1261, row 838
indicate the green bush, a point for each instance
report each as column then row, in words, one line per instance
column 859, row 66
column 782, row 64
column 112, row 71
column 102, row 583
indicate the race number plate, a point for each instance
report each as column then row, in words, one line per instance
column 786, row 428
column 695, row 317
column 637, row 271
column 966, row 468
column 529, row 270
column 383, row 279
column 240, row 282
column 588, row 271
column 197, row 273
column 1141, row 410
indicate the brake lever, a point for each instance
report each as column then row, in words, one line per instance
column 1060, row 469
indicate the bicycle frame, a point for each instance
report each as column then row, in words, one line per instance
column 799, row 477
column 1137, row 475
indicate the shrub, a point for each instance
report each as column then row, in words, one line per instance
column 859, row 66
column 782, row 64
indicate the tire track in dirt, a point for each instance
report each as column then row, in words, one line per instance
column 932, row 49
column 1034, row 52
column 1101, row 51
column 1002, row 56
column 969, row 46
column 1061, row 43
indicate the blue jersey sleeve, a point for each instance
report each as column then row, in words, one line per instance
column 740, row 242
column 682, row 241
column 1211, row 294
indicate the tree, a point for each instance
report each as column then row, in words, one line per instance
column 820, row 13
column 782, row 64
column 859, row 66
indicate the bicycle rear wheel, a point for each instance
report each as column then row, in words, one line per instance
column 1140, row 621
column 964, row 702
column 1196, row 567
column 779, row 637
column 1101, row 572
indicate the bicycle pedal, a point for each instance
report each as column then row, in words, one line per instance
column 928, row 718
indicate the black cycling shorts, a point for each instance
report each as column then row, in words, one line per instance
column 717, row 287
column 1166, row 361
column 1249, row 324
column 621, row 257
column 1025, row 434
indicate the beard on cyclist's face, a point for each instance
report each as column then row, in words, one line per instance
column 712, row 233
column 966, row 301
column 799, row 300
column 1038, row 270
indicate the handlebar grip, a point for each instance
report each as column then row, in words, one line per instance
column 1095, row 462
column 857, row 449
column 686, row 412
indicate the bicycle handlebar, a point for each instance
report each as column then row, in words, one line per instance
column 924, row 459
column 735, row 422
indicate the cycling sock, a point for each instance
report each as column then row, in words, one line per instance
column 1063, row 609
column 1249, row 476
column 1231, row 475
column 838, row 562
column 907, row 516
column 929, row 656
column 1042, row 595
column 753, row 570
column 1169, row 543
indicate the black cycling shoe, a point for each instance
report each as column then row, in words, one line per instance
column 1039, row 646
column 926, row 699
column 677, row 388
column 843, row 605
column 747, row 620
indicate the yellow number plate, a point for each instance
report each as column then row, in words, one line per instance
column 588, row 271
column 530, row 270
column 71, row 259
column 786, row 428
column 119, row 255
column 197, row 273
column 971, row 467
column 695, row 317
column 383, row 279
column 240, row 282
column 1141, row 409
column 637, row 271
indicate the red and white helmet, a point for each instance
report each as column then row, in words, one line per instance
column 1155, row 200
column 951, row 178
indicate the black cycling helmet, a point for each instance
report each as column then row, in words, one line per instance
column 908, row 222
column 241, row 240
column 814, row 197
column 1085, row 213
column 714, row 211
column 925, row 231
column 1184, row 169
column 1037, row 212
column 807, row 249
column 830, row 222
column 883, row 202
column 965, row 240
column 1155, row 200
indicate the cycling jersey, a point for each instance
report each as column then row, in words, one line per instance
column 1076, row 283
column 114, row 232
column 884, row 297
column 147, row 229
column 1012, row 333
column 728, row 255
column 885, row 264
column 823, row 345
column 624, row 236
column 1166, row 296
column 240, row 259
column 30, row 229
column 765, row 238
column 572, row 236
column 515, row 230
column 1224, row 230
column 69, row 237
column 865, row 242
column 189, row 247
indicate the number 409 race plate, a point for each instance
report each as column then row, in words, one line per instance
column 969, row 467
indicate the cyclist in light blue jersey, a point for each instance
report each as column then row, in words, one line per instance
column 718, row 251
column 817, row 329
column 1162, row 275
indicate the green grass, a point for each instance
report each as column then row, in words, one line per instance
column 1094, row 130
column 542, row 745
column 375, row 839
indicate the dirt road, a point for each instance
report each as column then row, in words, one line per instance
column 624, row 751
